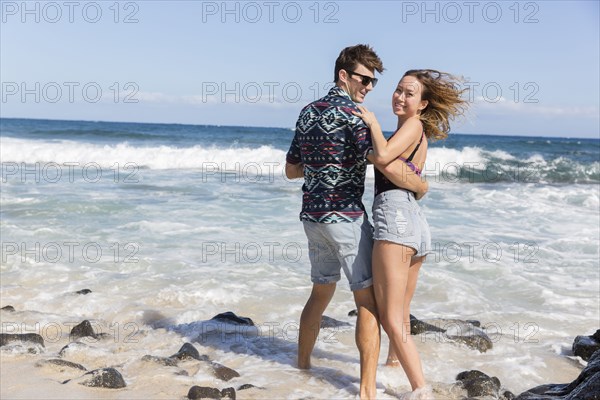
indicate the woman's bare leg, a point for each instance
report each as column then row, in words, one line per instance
column 413, row 275
column 391, row 265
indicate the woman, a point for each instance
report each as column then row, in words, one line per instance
column 424, row 101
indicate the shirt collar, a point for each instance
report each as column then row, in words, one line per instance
column 338, row 91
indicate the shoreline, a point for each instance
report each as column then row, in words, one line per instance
column 150, row 380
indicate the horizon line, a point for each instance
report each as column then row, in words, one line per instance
column 279, row 127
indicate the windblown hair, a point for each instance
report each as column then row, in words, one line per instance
column 359, row 54
column 445, row 102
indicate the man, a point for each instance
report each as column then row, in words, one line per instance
column 330, row 150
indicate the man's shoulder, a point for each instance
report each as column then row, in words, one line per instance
column 331, row 113
column 333, row 99
column 341, row 107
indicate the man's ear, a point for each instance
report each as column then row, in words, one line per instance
column 343, row 75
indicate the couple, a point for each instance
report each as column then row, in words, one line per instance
column 334, row 139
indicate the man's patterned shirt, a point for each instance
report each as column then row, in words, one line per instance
column 332, row 143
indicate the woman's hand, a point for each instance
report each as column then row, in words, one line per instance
column 367, row 116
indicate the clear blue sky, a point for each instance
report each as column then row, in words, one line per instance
column 258, row 63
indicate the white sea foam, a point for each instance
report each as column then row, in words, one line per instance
column 501, row 155
column 245, row 160
column 268, row 161
column 439, row 158
column 536, row 159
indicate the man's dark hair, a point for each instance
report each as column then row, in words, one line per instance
column 359, row 54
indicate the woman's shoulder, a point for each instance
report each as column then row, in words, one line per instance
column 415, row 123
column 412, row 127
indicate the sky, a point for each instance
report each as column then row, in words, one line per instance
column 532, row 67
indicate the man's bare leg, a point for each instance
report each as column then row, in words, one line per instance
column 310, row 321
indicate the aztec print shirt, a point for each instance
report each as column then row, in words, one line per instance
column 332, row 143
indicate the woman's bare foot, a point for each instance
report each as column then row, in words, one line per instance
column 423, row 393
column 392, row 362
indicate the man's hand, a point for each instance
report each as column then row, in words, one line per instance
column 293, row 171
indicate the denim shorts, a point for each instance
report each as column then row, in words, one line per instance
column 398, row 218
column 341, row 246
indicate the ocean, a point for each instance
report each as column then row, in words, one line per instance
column 169, row 225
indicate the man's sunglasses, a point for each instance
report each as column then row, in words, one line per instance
column 365, row 80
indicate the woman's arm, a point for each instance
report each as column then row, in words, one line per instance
column 385, row 151
column 402, row 176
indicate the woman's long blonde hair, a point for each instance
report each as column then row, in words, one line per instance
column 445, row 102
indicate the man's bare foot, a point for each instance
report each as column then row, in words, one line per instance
column 303, row 365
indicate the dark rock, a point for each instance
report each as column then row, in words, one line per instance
column 224, row 373
column 353, row 313
column 482, row 387
column 83, row 291
column 468, row 332
column 328, row 322
column 246, row 386
column 73, row 346
column 585, row 346
column 188, row 351
column 203, row 392
column 539, row 390
column 35, row 349
column 8, row 308
column 228, row 393
column 61, row 363
column 476, row 342
column 156, row 319
column 417, row 326
column 508, row 395
column 6, row 338
column 105, row 377
column 230, row 317
column 455, row 330
column 166, row 361
column 479, row 384
column 472, row 374
column 588, row 391
column 585, row 387
column 84, row 329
